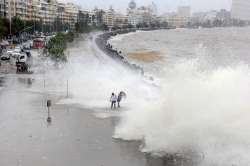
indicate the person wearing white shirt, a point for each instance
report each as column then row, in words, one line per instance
column 113, row 100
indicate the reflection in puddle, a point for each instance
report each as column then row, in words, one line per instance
column 2, row 81
column 26, row 81
column 171, row 160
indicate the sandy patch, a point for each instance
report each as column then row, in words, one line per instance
column 145, row 56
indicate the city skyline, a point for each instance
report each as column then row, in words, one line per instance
column 163, row 5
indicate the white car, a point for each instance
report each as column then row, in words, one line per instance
column 15, row 54
column 17, row 49
column 9, row 52
column 5, row 57
column 22, row 58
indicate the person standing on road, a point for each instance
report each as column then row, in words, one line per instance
column 113, row 100
column 119, row 99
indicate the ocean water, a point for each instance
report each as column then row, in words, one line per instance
column 202, row 102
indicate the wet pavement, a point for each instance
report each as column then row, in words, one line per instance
column 75, row 136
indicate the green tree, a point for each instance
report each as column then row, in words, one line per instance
column 58, row 44
column 17, row 25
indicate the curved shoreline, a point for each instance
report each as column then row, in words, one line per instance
column 102, row 43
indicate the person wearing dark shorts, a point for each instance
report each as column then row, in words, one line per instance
column 113, row 100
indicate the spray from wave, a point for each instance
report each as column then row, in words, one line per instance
column 206, row 112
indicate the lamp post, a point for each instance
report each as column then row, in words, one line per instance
column 44, row 19
column 4, row 8
column 10, row 19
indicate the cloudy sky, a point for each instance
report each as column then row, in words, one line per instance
column 163, row 5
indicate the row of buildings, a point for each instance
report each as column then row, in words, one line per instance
column 137, row 16
column 49, row 11
column 46, row 11
column 239, row 13
column 133, row 17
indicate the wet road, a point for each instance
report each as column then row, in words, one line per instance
column 75, row 137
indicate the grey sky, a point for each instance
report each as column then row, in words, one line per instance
column 163, row 5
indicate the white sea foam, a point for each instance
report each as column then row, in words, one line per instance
column 203, row 105
column 93, row 76
column 122, row 36
column 207, row 112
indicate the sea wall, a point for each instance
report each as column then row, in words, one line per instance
column 102, row 43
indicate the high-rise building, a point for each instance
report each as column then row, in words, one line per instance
column 241, row 9
column 120, row 20
column 33, row 10
column 2, row 8
column 109, row 17
column 72, row 11
column 17, row 8
column 175, row 20
column 48, row 11
column 140, row 15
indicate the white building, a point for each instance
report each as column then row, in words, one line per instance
column 2, row 8
column 17, row 8
column 241, row 9
column 113, row 19
column 120, row 20
column 108, row 17
column 48, row 11
column 72, row 11
column 141, row 15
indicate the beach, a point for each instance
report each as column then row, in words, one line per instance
column 145, row 56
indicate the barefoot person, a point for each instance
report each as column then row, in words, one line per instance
column 113, row 100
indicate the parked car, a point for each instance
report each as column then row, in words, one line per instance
column 15, row 54
column 5, row 57
column 18, row 49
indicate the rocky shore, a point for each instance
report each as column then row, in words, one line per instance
column 102, row 43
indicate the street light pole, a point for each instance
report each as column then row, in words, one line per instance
column 10, row 16
column 4, row 8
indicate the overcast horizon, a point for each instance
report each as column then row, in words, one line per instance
column 163, row 5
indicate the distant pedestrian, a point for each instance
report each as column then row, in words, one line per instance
column 119, row 99
column 113, row 100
